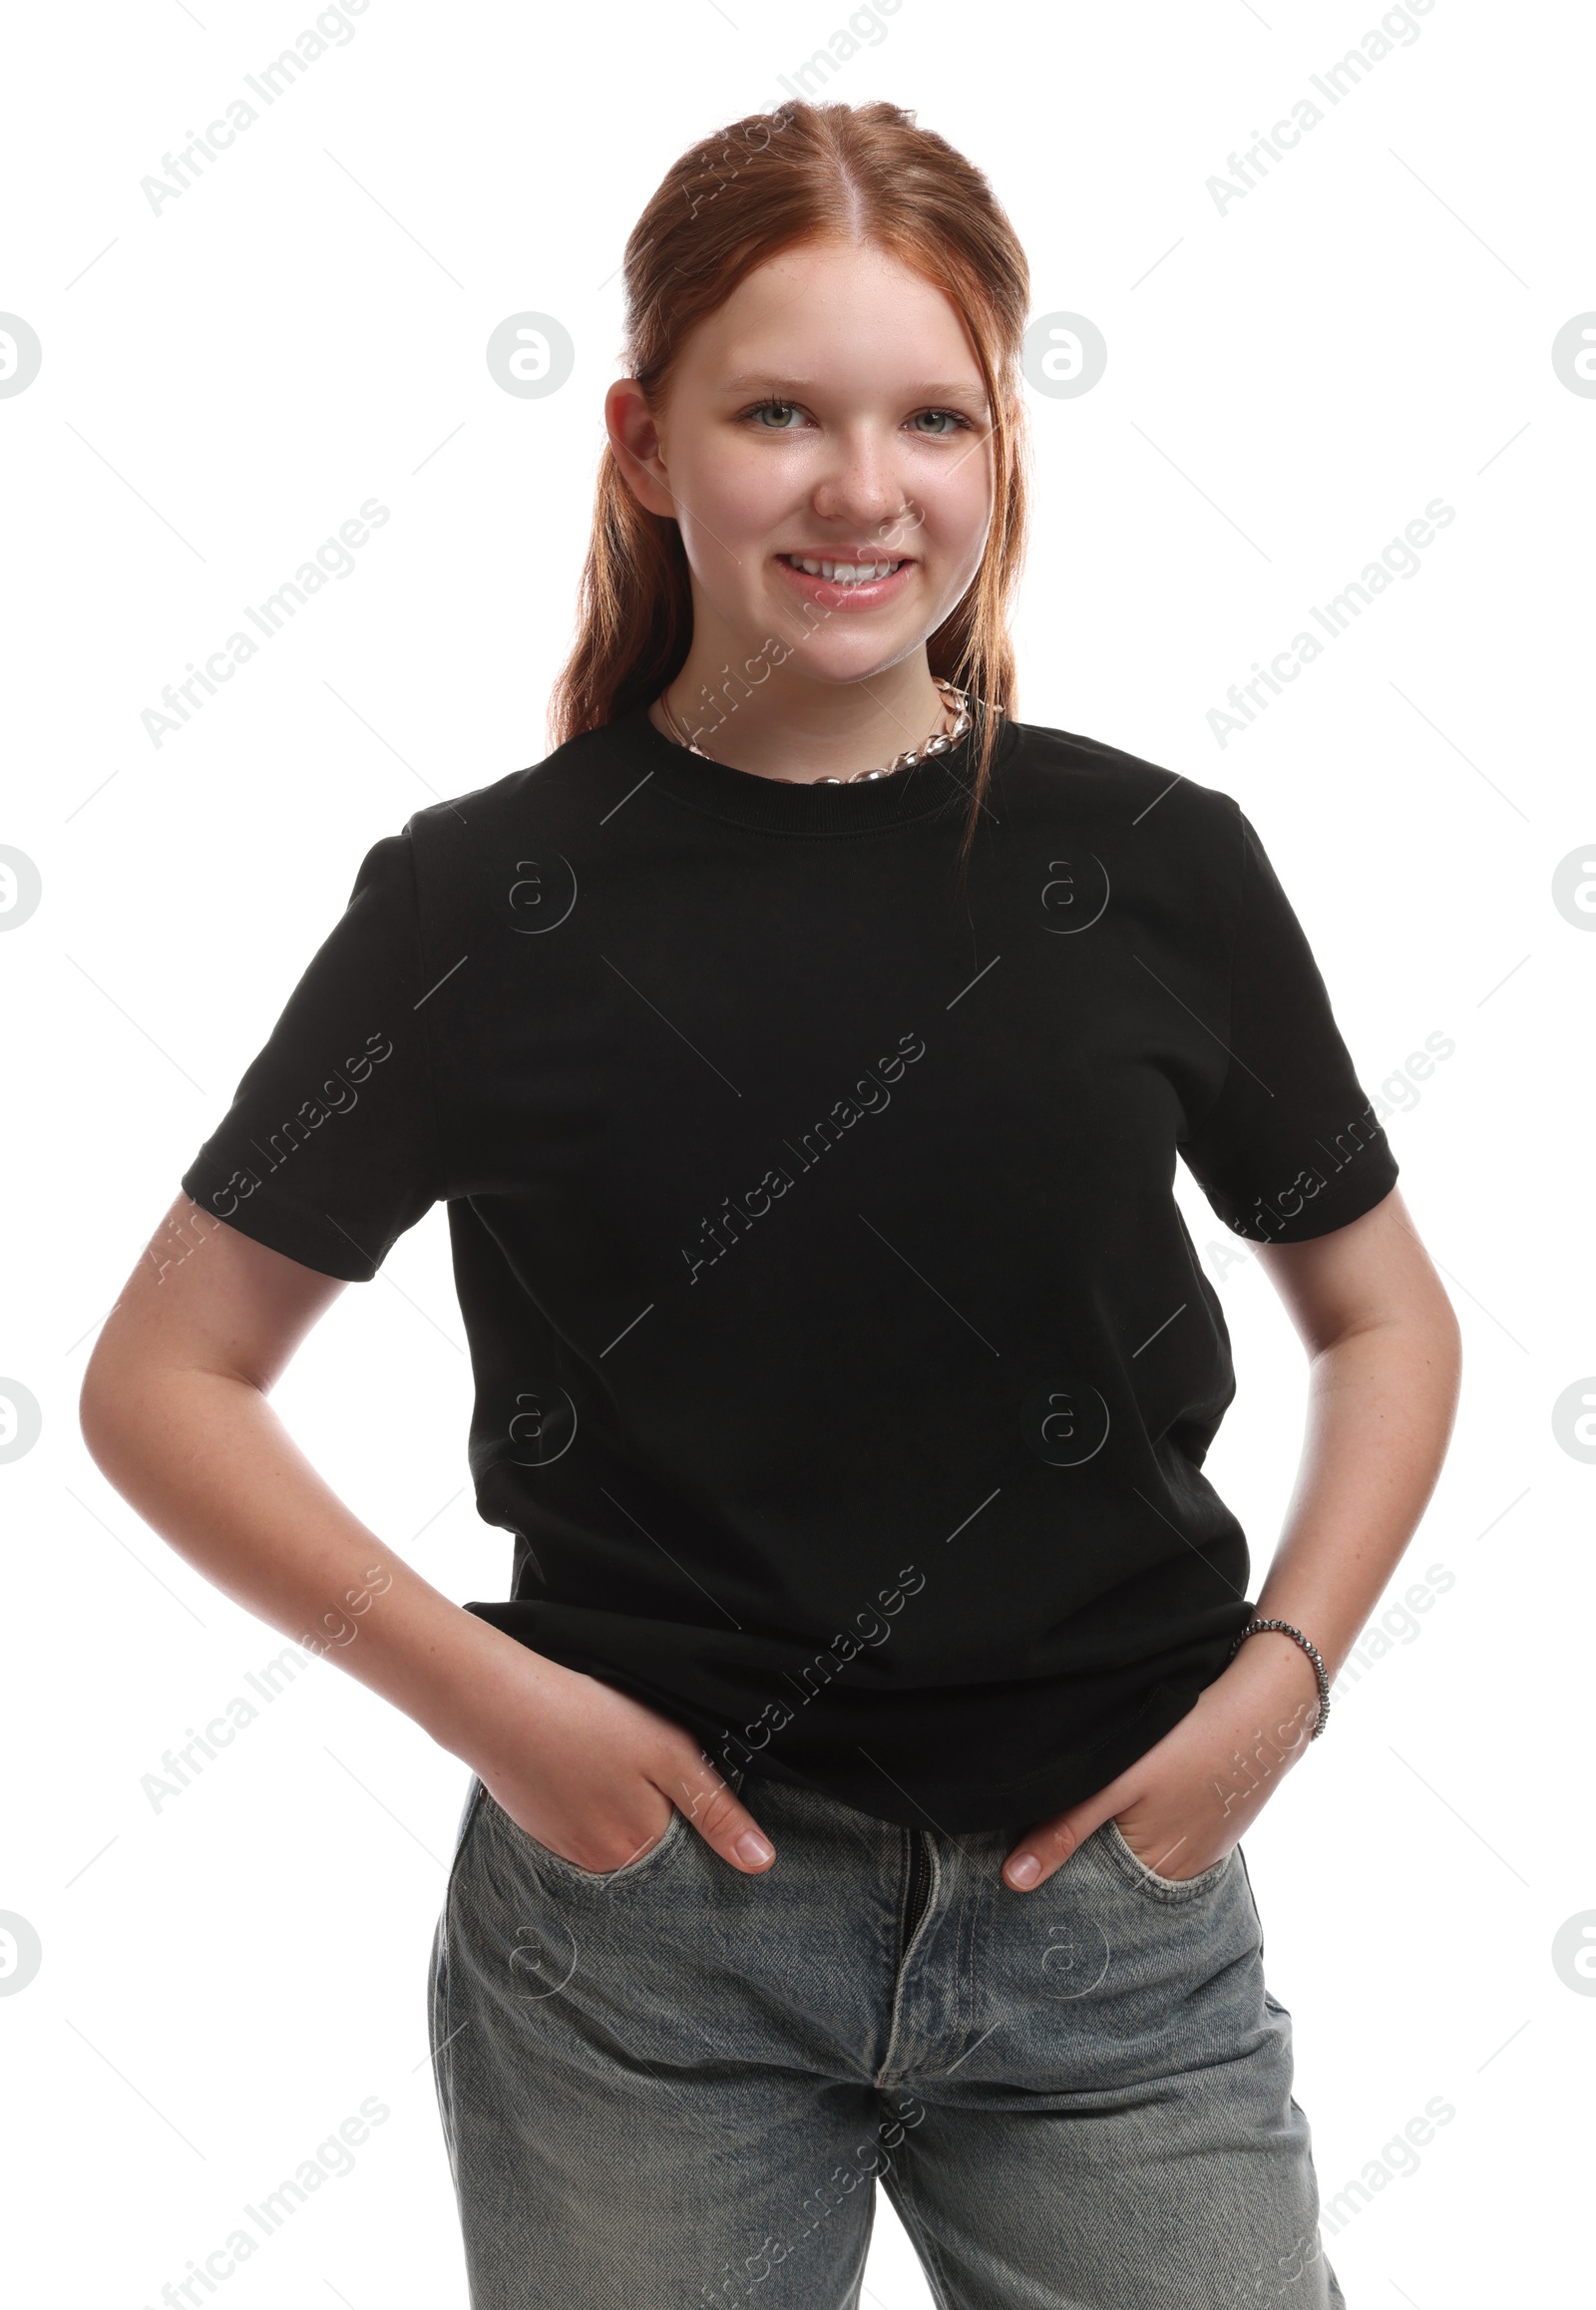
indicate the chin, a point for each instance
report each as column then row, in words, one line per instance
column 855, row 657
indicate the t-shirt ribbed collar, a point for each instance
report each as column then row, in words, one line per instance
column 745, row 798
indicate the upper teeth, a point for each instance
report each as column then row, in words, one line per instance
column 850, row 573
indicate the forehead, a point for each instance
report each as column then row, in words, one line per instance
column 835, row 313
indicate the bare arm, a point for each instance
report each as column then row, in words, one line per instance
column 174, row 1412
column 1385, row 1357
column 1385, row 1360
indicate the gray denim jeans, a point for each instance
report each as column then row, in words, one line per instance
column 675, row 2085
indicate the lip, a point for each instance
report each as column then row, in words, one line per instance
column 831, row 594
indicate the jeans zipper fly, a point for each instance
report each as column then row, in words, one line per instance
column 918, row 1882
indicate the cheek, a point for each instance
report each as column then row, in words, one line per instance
column 728, row 502
column 957, row 510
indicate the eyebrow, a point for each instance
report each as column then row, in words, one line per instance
column 758, row 380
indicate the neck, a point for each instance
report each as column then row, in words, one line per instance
column 788, row 725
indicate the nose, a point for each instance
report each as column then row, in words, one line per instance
column 860, row 489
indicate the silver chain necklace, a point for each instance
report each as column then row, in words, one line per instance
column 957, row 703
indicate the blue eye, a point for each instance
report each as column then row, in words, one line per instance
column 951, row 420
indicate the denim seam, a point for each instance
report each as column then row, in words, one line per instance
column 1172, row 1890
column 889, row 2075
column 442, row 1981
column 974, row 1909
column 1253, row 1898
column 925, row 2245
column 573, row 1873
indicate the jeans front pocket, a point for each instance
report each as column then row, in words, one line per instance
column 551, row 1863
column 1136, row 1871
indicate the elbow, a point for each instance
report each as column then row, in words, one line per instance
column 107, row 1418
column 1432, row 1343
column 1436, row 1322
column 95, row 1398
column 1453, row 1345
column 1422, row 1324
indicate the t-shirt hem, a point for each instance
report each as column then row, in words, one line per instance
column 298, row 1234
column 927, row 1798
column 1336, row 1204
column 971, row 1807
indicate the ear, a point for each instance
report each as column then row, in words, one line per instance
column 634, row 438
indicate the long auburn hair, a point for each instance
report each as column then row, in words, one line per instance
column 861, row 173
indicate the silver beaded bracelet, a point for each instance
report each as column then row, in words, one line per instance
column 1256, row 1627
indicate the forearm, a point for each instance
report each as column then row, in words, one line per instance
column 192, row 1442
column 1385, row 1360
column 1382, row 1401
column 206, row 1462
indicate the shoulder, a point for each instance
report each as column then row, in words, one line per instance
column 451, row 858
column 541, row 794
column 1064, row 766
column 1068, row 766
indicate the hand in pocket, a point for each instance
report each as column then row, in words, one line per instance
column 593, row 1775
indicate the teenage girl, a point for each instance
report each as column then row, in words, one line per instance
column 802, row 1052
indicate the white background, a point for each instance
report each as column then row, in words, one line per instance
column 1288, row 384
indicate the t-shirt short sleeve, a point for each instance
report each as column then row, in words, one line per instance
column 1290, row 1148
column 329, row 1150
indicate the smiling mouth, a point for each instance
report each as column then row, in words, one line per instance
column 843, row 573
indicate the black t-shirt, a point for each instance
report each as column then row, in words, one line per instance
column 844, row 1367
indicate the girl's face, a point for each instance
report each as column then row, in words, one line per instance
column 824, row 448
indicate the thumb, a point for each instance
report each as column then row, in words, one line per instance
column 1046, row 1847
column 714, row 1809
